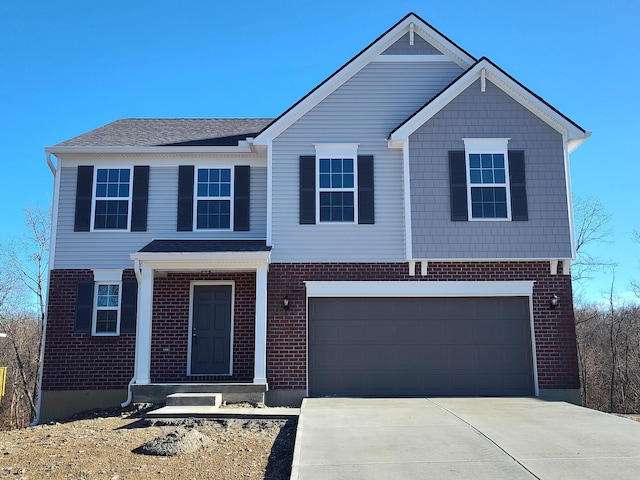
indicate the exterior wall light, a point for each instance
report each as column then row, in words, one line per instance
column 285, row 303
column 553, row 302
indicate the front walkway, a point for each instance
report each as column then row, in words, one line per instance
column 474, row 438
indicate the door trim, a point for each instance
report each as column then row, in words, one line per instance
column 189, row 337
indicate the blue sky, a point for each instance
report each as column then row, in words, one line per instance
column 68, row 66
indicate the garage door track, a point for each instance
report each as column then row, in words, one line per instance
column 462, row 438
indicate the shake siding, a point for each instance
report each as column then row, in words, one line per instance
column 490, row 114
column 364, row 110
column 112, row 249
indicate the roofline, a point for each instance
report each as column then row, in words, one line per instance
column 534, row 103
column 467, row 58
column 243, row 147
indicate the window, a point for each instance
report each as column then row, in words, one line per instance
column 488, row 193
column 112, row 199
column 107, row 309
column 336, row 177
column 213, row 198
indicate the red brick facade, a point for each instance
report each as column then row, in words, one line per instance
column 553, row 328
column 81, row 361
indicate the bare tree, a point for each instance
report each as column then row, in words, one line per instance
column 592, row 228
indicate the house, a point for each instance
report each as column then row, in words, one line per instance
column 405, row 229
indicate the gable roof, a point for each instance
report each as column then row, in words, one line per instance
column 158, row 132
column 486, row 69
column 375, row 48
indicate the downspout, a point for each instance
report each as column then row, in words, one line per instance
column 127, row 402
column 54, row 222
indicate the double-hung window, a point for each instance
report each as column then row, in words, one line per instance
column 336, row 187
column 107, row 309
column 213, row 198
column 488, row 193
column 112, row 199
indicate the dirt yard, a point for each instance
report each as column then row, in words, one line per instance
column 103, row 448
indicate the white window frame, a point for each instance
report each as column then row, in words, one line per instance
column 343, row 151
column 94, row 322
column 94, row 198
column 493, row 146
column 196, row 198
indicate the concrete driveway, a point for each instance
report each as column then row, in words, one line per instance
column 462, row 438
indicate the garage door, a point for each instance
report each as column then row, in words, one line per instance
column 420, row 346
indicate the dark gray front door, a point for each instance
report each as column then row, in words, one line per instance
column 211, row 330
column 420, row 346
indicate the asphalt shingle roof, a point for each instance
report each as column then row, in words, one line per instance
column 153, row 132
column 195, row 246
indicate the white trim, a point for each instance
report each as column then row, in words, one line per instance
column 260, row 343
column 553, row 267
column 343, row 151
column 94, row 198
column 269, row 193
column 245, row 148
column 106, row 275
column 230, row 198
column 54, row 219
column 411, row 59
column 406, row 182
column 117, row 309
column 567, row 179
column 474, row 146
column 338, row 78
column 142, row 369
column 419, row 289
column 158, row 160
column 200, row 261
column 532, row 103
column 488, row 259
column 192, row 284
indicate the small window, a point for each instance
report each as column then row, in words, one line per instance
column 112, row 199
column 213, row 198
column 107, row 309
column 336, row 167
column 487, row 179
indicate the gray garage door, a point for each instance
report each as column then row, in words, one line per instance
column 420, row 346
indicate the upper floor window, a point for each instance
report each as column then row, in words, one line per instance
column 213, row 198
column 112, row 199
column 337, row 182
column 488, row 193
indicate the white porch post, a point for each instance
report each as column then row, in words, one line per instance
column 143, row 331
column 260, row 359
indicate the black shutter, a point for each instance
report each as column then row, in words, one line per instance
column 307, row 190
column 458, row 186
column 517, row 181
column 84, row 195
column 365, row 190
column 129, row 307
column 140, row 200
column 241, row 187
column 84, row 307
column 185, row 198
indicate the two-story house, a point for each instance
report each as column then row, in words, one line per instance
column 405, row 229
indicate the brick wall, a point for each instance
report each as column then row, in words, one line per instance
column 79, row 361
column 286, row 330
column 170, row 333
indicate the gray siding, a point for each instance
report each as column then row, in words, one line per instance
column 112, row 249
column 489, row 114
column 420, row 47
column 364, row 110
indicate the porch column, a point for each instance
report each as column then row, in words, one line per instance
column 260, row 350
column 143, row 330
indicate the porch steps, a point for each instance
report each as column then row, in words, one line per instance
column 194, row 400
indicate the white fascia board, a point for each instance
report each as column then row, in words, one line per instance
column 419, row 289
column 246, row 148
column 487, row 260
column 504, row 83
column 348, row 70
column 202, row 260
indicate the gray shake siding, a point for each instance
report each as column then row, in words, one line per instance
column 491, row 114
column 112, row 249
column 364, row 110
column 419, row 47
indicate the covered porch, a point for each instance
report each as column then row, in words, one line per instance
column 202, row 318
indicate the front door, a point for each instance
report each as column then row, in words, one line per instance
column 211, row 330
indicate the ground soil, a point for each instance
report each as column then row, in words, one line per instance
column 102, row 447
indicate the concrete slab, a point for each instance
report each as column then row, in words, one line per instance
column 492, row 438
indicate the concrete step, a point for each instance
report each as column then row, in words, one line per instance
column 267, row 413
column 194, row 400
